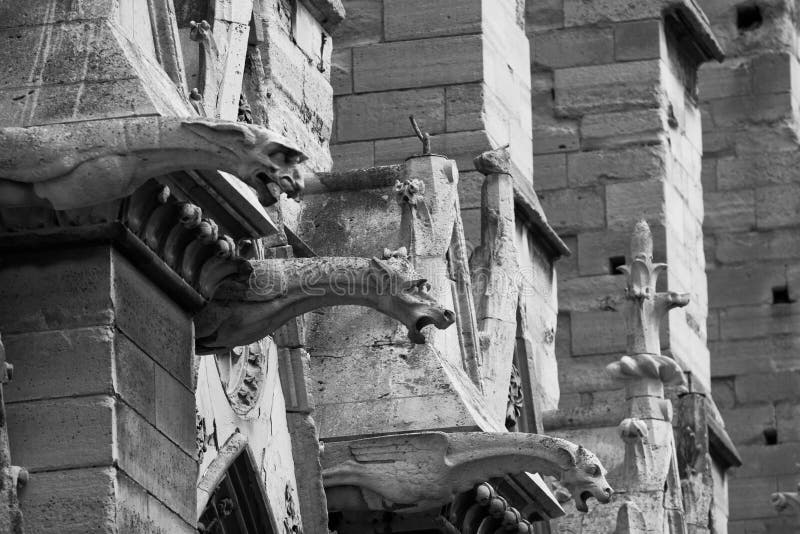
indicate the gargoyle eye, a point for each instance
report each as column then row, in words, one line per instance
column 423, row 285
column 593, row 470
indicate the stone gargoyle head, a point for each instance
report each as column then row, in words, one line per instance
column 268, row 162
column 586, row 478
column 402, row 294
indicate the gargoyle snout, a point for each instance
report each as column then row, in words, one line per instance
column 437, row 316
column 292, row 184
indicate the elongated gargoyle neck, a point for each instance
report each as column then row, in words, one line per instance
column 75, row 165
column 426, row 470
column 279, row 290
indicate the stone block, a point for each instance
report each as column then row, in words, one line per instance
column 765, row 387
column 641, row 39
column 595, row 250
column 469, row 189
column 347, row 156
column 761, row 461
column 744, row 285
column 74, row 501
column 759, row 168
column 420, row 63
column 49, row 291
column 761, row 109
column 778, row 244
column 730, row 210
column 733, row 77
column 140, row 513
column 759, row 321
column 342, row 71
column 544, row 15
column 629, row 202
column 587, row 375
column 574, row 210
column 61, row 434
column 135, row 377
column 597, row 332
column 382, row 115
column 549, row 171
column 774, row 73
column 746, row 424
column 760, row 355
column 777, row 206
column 639, row 127
column 787, row 416
column 597, row 166
column 751, row 496
column 59, row 363
column 422, row 19
column 173, row 402
column 603, row 88
column 558, row 136
column 580, row 12
column 573, row 47
column 152, row 321
column 464, row 106
column 156, row 463
column 362, row 25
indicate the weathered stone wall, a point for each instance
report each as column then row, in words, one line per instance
column 751, row 185
column 101, row 410
column 461, row 67
column 617, row 138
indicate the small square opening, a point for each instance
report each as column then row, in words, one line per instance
column 780, row 295
column 771, row 436
column 748, row 17
column 614, row 263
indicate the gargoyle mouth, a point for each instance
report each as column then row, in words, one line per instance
column 440, row 320
column 603, row 497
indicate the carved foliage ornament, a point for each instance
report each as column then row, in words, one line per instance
column 644, row 311
column 243, row 373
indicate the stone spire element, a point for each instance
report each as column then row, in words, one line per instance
column 650, row 470
column 643, row 313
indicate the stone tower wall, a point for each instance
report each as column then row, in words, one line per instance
column 751, row 185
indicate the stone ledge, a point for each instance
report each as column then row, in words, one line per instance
column 688, row 15
column 329, row 13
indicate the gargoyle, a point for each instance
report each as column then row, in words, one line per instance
column 423, row 471
column 81, row 164
column 279, row 290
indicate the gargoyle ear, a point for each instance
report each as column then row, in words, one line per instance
column 381, row 266
column 222, row 132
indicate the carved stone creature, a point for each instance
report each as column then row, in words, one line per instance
column 76, row 165
column 280, row 290
column 422, row 471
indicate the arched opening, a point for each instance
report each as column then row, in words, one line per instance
column 237, row 505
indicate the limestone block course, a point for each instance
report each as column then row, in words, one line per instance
column 419, row 63
column 362, row 25
column 777, row 206
column 641, row 39
column 759, row 355
column 550, row 171
column 385, row 114
column 787, row 416
column 82, row 426
column 75, row 501
column 597, row 332
column 748, row 423
column 766, row 387
column 731, row 210
column 416, row 19
column 55, row 363
column 760, row 461
column 573, row 47
column 571, row 210
column 749, row 492
column 597, row 166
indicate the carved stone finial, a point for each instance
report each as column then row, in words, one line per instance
column 400, row 253
column 644, row 311
column 497, row 161
column 199, row 31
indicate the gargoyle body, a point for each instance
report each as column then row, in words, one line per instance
column 76, row 165
column 279, row 290
column 423, row 471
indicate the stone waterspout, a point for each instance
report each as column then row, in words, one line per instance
column 279, row 290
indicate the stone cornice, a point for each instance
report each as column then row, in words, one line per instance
column 692, row 22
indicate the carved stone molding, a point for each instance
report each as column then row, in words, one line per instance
column 74, row 165
column 488, row 511
column 187, row 242
column 243, row 372
column 426, row 470
column 787, row 502
column 279, row 290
